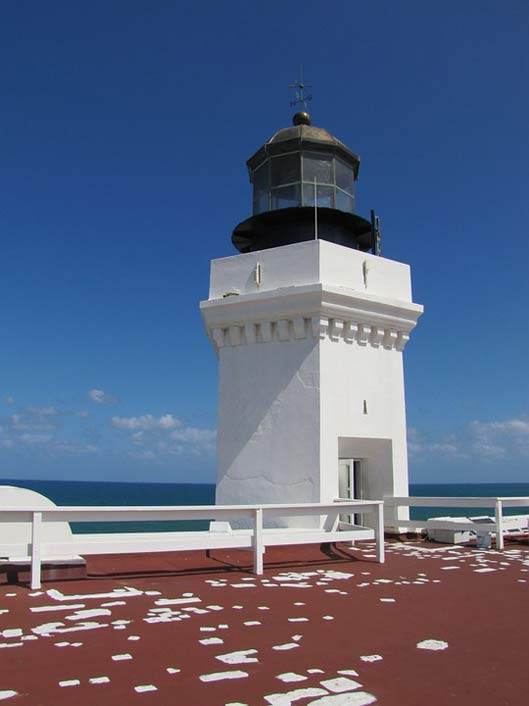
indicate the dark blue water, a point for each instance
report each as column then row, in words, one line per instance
column 107, row 494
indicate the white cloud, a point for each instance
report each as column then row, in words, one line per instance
column 49, row 411
column 146, row 422
column 101, row 397
column 165, row 436
column 8, row 399
column 483, row 441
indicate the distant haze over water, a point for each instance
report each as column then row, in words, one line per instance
column 107, row 494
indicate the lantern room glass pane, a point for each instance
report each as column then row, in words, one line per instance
column 344, row 176
column 344, row 202
column 285, row 169
column 319, row 167
column 261, row 201
column 325, row 195
column 286, row 197
column 260, row 177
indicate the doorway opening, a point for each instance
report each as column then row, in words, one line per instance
column 350, row 485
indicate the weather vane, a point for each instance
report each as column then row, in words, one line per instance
column 301, row 98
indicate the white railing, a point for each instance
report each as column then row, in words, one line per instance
column 257, row 537
column 498, row 503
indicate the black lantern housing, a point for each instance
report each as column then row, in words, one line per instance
column 301, row 167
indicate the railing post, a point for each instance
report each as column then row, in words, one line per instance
column 258, row 548
column 380, row 532
column 36, row 527
column 499, row 524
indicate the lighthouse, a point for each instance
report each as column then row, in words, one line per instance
column 309, row 324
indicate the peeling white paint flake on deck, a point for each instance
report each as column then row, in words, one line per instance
column 55, row 628
column 291, row 676
column 328, row 617
column 298, row 620
column 45, row 608
column 178, row 601
column 69, row 682
column 387, row 600
column 288, row 697
column 99, row 680
column 110, row 604
column 348, row 672
column 286, row 646
column 212, row 641
column 12, row 632
column 133, row 637
column 4, row 645
column 250, row 623
column 371, row 658
column 483, row 571
column 7, row 694
column 116, row 593
column 172, row 670
column 449, row 568
column 357, row 698
column 218, row 676
column 240, row 657
column 145, row 687
column 432, row 645
column 340, row 684
column 119, row 658
column 93, row 613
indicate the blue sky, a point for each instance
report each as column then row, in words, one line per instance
column 125, row 127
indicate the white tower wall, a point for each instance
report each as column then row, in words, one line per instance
column 309, row 339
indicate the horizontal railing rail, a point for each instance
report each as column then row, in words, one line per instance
column 498, row 503
column 256, row 537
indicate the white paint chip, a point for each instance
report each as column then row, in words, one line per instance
column 286, row 646
column 250, row 623
column 69, row 682
column 212, row 641
column 46, row 608
column 172, row 670
column 99, row 680
column 432, row 645
column 145, row 687
column 93, row 613
column 120, row 658
column 117, row 593
column 218, row 676
column 290, row 677
column 7, row 694
column 356, row 698
column 12, row 632
column 133, row 638
column 371, row 658
column 348, row 672
column 340, row 684
column 285, row 699
column 240, row 657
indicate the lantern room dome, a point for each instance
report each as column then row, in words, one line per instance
column 301, row 169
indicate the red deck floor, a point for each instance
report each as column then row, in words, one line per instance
column 159, row 625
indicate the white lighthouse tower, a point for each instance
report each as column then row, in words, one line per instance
column 309, row 327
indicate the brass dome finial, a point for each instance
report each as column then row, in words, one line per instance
column 301, row 118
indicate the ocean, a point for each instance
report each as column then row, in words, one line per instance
column 104, row 493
